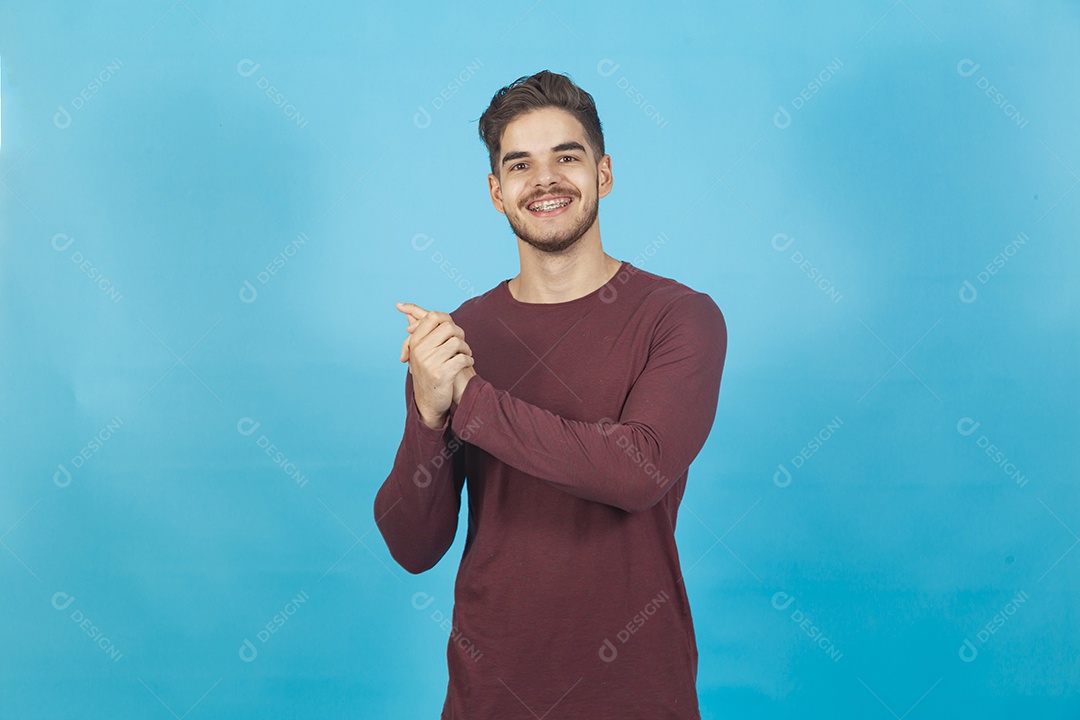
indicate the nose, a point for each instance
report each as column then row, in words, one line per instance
column 547, row 174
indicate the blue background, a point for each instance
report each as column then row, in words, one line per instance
column 881, row 197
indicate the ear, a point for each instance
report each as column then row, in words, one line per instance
column 603, row 176
column 496, row 192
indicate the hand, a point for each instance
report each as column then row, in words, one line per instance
column 437, row 353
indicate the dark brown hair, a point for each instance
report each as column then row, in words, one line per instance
column 542, row 90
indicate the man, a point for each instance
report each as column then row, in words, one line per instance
column 586, row 389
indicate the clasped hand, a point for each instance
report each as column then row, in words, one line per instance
column 440, row 361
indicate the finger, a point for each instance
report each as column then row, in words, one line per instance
column 438, row 355
column 411, row 309
column 438, row 337
column 428, row 323
column 414, row 316
column 414, row 320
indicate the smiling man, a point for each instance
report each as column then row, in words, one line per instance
column 585, row 390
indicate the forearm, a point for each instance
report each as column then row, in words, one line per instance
column 620, row 464
column 416, row 508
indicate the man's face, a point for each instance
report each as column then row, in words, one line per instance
column 544, row 156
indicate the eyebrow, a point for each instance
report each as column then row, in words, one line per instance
column 562, row 147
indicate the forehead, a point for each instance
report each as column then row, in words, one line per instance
column 540, row 130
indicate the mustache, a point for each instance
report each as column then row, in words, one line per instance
column 556, row 193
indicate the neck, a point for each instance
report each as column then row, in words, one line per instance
column 561, row 277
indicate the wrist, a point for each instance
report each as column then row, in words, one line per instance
column 460, row 382
column 434, row 422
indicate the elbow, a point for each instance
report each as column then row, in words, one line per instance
column 404, row 548
column 409, row 555
column 414, row 565
column 642, row 497
column 649, row 475
column 652, row 487
column 641, row 504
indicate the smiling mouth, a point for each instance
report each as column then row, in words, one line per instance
column 550, row 206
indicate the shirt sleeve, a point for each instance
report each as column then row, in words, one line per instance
column 633, row 462
column 416, row 509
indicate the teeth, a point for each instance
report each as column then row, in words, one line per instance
column 549, row 205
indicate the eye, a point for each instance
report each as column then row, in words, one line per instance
column 568, row 156
column 515, row 167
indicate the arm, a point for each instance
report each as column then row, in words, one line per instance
column 416, row 509
column 630, row 464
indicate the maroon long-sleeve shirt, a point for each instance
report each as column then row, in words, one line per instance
column 574, row 438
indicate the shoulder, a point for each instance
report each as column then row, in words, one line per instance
column 673, row 302
column 472, row 310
